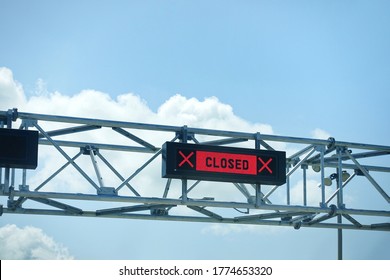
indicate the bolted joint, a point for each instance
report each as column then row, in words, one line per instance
column 297, row 225
column 332, row 143
column 257, row 140
column 320, row 148
column 12, row 114
column 29, row 123
column 159, row 212
column 183, row 135
column 24, row 188
column 11, row 204
column 295, row 161
column 107, row 191
column 333, row 209
column 343, row 150
column 87, row 150
column 358, row 172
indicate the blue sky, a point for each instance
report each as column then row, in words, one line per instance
column 294, row 65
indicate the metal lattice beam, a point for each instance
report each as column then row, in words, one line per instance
column 262, row 205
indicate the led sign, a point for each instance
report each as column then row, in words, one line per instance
column 225, row 164
column 18, row 148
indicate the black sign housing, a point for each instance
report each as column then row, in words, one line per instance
column 18, row 148
column 224, row 164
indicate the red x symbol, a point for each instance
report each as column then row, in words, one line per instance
column 265, row 165
column 186, row 159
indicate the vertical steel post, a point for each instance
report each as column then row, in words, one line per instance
column 1, row 169
column 11, row 115
column 339, row 239
column 95, row 166
column 340, row 198
column 5, row 185
column 24, row 186
column 304, row 168
column 12, row 177
column 288, row 184
column 322, row 162
column 259, row 201
column 184, row 183
column 24, row 179
column 339, row 203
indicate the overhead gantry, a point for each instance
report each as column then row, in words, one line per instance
column 112, row 169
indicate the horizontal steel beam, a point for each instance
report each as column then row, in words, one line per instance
column 70, row 130
column 97, row 145
column 126, row 209
column 356, row 156
column 378, row 227
column 212, row 132
column 97, row 122
column 265, row 216
column 225, row 141
column 200, row 202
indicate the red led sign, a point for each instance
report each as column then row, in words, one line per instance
column 225, row 163
column 214, row 163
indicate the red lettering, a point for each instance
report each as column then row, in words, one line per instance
column 209, row 162
column 226, row 163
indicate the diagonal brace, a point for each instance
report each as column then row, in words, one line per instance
column 138, row 170
column 127, row 209
column 352, row 220
column 286, row 214
column 369, row 177
column 21, row 200
column 56, row 204
column 70, row 130
column 206, row 212
column 134, row 138
column 67, row 157
column 330, row 215
column 116, row 172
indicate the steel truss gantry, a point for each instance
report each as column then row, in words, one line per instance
column 106, row 143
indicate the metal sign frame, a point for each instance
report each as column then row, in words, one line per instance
column 255, row 205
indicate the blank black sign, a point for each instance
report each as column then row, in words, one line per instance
column 18, row 148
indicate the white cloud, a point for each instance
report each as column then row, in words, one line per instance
column 228, row 229
column 29, row 243
column 11, row 92
column 41, row 88
column 320, row 134
column 92, row 104
column 223, row 230
column 209, row 113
